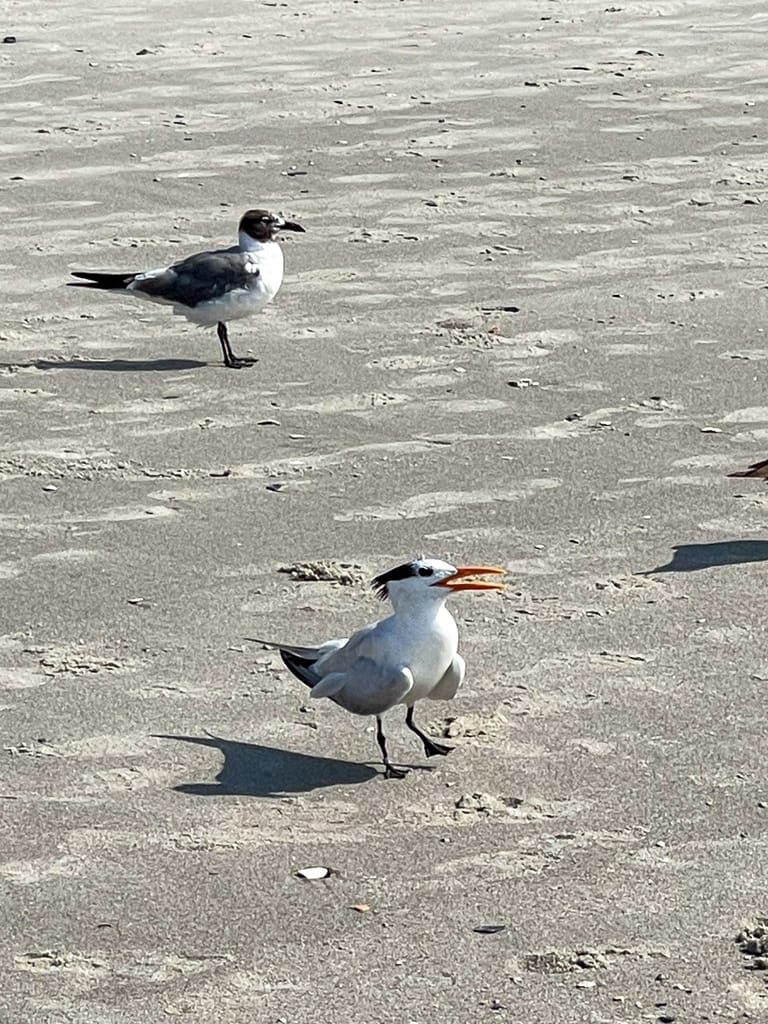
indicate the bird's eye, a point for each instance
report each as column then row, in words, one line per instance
column 424, row 570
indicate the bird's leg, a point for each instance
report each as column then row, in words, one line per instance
column 230, row 359
column 221, row 330
column 430, row 747
column 390, row 772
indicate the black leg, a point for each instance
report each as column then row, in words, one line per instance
column 430, row 747
column 390, row 772
column 221, row 330
column 230, row 359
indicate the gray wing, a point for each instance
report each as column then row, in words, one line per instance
column 366, row 688
column 350, row 672
column 449, row 684
column 203, row 277
column 365, row 643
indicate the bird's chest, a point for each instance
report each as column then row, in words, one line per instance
column 263, row 275
column 242, row 302
column 428, row 647
column 265, row 271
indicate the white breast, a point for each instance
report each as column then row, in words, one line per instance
column 268, row 260
column 427, row 648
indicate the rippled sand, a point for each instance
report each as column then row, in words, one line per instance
column 562, row 195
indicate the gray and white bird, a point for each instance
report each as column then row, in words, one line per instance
column 211, row 288
column 409, row 656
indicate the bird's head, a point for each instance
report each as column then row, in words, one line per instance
column 425, row 579
column 263, row 226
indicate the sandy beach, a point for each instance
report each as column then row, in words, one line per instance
column 525, row 327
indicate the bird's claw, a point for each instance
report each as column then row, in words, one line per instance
column 390, row 772
column 239, row 362
column 432, row 749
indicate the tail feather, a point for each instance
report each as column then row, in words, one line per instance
column 309, row 654
column 757, row 469
column 301, row 668
column 97, row 279
column 298, row 660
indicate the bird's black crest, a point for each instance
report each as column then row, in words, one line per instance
column 401, row 572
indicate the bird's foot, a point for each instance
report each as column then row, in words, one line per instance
column 431, row 749
column 239, row 362
column 390, row 772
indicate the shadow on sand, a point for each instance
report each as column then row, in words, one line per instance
column 116, row 365
column 111, row 365
column 692, row 557
column 251, row 769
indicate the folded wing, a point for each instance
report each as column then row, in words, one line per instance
column 200, row 278
column 366, row 687
column 355, row 673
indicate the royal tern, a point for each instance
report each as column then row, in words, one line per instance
column 406, row 657
column 757, row 469
column 210, row 288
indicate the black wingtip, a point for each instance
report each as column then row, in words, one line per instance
column 99, row 279
column 757, row 469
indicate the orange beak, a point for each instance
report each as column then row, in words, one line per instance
column 459, row 581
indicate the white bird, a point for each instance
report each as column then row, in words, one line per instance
column 210, row 288
column 406, row 657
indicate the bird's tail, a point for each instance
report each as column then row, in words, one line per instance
column 97, row 279
column 298, row 660
column 309, row 654
column 301, row 668
column 758, row 469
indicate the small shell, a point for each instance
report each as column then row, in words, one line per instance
column 313, row 874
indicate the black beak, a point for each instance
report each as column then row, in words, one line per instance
column 290, row 225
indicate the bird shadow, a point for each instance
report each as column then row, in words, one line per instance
column 693, row 557
column 251, row 769
column 117, row 365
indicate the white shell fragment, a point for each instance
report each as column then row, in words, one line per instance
column 313, row 874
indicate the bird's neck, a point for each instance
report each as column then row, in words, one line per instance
column 416, row 607
column 249, row 244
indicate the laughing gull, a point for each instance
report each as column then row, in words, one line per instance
column 410, row 655
column 757, row 469
column 212, row 287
